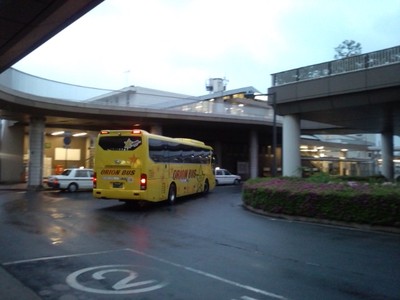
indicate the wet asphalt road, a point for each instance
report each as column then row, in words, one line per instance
column 69, row 246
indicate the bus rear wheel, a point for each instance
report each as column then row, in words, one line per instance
column 172, row 194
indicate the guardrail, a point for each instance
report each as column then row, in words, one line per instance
column 335, row 67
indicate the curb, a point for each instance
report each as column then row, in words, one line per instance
column 363, row 227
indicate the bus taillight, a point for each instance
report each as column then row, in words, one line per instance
column 143, row 181
column 136, row 131
column 104, row 132
column 94, row 180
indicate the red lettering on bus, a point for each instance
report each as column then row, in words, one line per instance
column 110, row 172
column 184, row 174
column 128, row 172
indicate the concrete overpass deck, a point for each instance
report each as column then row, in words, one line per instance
column 83, row 109
column 359, row 94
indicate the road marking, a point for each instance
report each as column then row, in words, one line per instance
column 126, row 285
column 209, row 275
column 212, row 276
column 15, row 262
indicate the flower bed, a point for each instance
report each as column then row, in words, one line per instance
column 350, row 201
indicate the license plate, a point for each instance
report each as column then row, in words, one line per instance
column 117, row 185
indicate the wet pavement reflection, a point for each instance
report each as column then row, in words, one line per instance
column 210, row 245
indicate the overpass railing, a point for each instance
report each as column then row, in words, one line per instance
column 16, row 80
column 33, row 85
column 335, row 67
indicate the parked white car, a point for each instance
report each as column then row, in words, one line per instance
column 72, row 180
column 223, row 176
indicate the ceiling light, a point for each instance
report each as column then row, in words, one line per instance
column 79, row 134
column 58, row 133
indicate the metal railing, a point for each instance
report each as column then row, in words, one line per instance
column 335, row 67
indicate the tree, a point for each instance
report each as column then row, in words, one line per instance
column 347, row 48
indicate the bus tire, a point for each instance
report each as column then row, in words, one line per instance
column 172, row 194
column 206, row 187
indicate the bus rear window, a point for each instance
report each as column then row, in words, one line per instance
column 120, row 143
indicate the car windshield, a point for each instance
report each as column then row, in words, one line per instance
column 66, row 172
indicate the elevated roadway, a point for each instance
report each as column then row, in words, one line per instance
column 356, row 101
column 359, row 94
column 354, row 95
column 229, row 129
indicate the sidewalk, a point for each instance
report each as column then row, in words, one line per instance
column 14, row 186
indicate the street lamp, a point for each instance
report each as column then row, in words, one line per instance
column 252, row 95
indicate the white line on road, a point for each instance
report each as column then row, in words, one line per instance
column 212, row 276
column 209, row 275
column 58, row 257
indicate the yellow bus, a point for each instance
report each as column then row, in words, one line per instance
column 134, row 165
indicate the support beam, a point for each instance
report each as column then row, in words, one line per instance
column 291, row 146
column 387, row 155
column 12, row 152
column 253, row 154
column 36, row 147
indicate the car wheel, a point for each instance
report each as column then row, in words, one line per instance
column 236, row 182
column 73, row 187
column 172, row 194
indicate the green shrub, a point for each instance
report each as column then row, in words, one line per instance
column 317, row 197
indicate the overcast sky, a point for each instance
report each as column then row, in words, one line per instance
column 176, row 45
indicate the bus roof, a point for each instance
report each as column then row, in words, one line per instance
column 192, row 141
column 144, row 132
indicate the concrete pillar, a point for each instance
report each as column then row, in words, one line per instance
column 291, row 146
column 90, row 146
column 387, row 155
column 12, row 152
column 36, row 147
column 253, row 154
column 218, row 153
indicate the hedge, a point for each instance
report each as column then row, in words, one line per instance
column 348, row 201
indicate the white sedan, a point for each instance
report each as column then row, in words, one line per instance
column 223, row 176
column 72, row 180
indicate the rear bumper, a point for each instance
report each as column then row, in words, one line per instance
column 133, row 195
